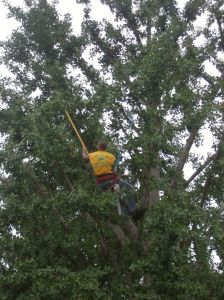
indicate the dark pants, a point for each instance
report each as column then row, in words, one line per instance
column 127, row 195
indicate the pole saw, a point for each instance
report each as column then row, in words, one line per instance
column 76, row 131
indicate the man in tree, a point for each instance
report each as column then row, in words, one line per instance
column 103, row 163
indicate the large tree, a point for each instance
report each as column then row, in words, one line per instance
column 141, row 82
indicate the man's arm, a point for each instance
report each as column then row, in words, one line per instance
column 85, row 154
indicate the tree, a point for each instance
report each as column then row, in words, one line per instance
column 151, row 95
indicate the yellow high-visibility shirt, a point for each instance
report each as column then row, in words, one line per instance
column 102, row 162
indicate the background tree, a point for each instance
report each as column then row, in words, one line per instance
column 151, row 96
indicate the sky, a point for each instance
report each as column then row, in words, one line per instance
column 64, row 6
column 70, row 6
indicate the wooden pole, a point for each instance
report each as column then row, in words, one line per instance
column 76, row 131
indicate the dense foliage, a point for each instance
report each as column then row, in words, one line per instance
column 142, row 83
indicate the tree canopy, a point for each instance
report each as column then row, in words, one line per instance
column 141, row 82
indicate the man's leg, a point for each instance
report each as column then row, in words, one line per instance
column 130, row 203
column 104, row 186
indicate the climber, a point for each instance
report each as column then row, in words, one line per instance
column 103, row 163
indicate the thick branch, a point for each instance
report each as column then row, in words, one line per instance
column 184, row 156
column 149, row 30
column 129, row 17
column 206, row 188
column 121, row 109
column 4, row 179
column 43, row 193
column 218, row 16
column 103, row 241
column 208, row 78
column 131, row 229
column 91, row 74
column 210, row 175
column 200, row 169
column 152, row 195
column 40, row 188
column 70, row 185
column 118, row 232
column 132, row 25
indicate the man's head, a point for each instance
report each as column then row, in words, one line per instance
column 102, row 145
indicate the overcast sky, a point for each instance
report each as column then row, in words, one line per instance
column 69, row 6
column 64, row 6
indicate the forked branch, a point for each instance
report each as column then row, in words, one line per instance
column 184, row 156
